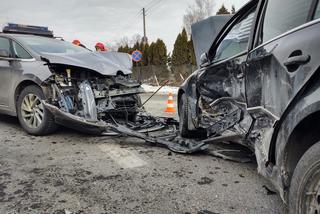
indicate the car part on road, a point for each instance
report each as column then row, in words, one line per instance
column 172, row 141
column 161, row 86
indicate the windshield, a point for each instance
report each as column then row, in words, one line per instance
column 49, row 45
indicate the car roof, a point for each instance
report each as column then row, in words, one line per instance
column 11, row 35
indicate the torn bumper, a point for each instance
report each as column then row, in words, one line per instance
column 168, row 140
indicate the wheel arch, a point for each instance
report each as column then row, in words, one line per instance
column 303, row 136
column 297, row 133
column 23, row 84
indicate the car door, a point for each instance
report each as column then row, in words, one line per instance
column 285, row 55
column 5, row 72
column 221, row 85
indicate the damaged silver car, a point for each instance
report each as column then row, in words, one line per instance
column 47, row 81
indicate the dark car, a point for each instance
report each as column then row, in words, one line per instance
column 45, row 81
column 259, row 86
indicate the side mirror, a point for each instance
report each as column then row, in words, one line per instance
column 204, row 60
column 4, row 53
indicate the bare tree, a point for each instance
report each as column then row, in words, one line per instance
column 198, row 11
column 123, row 41
column 136, row 38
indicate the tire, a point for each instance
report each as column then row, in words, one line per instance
column 183, row 117
column 304, row 192
column 29, row 106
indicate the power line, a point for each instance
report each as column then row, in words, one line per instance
column 153, row 7
column 131, row 20
column 150, row 2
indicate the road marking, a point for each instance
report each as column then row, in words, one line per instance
column 123, row 157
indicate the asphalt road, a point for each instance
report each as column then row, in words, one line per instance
column 73, row 172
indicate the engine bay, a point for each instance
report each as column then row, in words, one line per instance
column 92, row 96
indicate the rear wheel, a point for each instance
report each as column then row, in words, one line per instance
column 304, row 194
column 32, row 115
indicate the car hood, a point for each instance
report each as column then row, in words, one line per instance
column 205, row 32
column 105, row 63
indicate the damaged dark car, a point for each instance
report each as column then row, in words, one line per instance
column 47, row 81
column 258, row 85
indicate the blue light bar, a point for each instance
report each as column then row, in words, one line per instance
column 27, row 29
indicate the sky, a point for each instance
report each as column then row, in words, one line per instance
column 106, row 21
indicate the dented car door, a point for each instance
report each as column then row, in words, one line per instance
column 221, row 86
column 279, row 66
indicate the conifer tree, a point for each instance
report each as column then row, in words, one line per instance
column 223, row 10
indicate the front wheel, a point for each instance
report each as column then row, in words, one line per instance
column 33, row 117
column 183, row 117
column 304, row 193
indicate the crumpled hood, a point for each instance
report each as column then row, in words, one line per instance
column 105, row 63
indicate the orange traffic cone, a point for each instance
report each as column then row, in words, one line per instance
column 170, row 105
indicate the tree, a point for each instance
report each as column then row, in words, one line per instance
column 233, row 9
column 196, row 12
column 145, row 53
column 150, row 53
column 223, row 10
column 160, row 53
column 122, row 42
column 180, row 54
column 192, row 55
column 136, row 38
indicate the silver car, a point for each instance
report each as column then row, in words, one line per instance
column 46, row 81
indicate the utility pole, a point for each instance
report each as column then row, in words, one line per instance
column 144, row 39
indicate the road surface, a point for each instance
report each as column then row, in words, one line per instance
column 70, row 172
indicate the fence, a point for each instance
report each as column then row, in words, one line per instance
column 155, row 75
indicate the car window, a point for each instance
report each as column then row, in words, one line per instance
column 236, row 41
column 284, row 15
column 5, row 44
column 317, row 13
column 19, row 52
column 50, row 45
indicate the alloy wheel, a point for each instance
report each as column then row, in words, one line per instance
column 32, row 110
column 312, row 204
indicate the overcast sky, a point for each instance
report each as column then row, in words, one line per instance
column 106, row 21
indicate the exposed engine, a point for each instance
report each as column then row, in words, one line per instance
column 92, row 96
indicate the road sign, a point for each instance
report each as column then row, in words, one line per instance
column 136, row 56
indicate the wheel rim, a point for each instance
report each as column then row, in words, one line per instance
column 313, row 195
column 32, row 110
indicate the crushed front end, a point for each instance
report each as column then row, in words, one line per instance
column 90, row 96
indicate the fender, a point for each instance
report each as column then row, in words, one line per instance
column 189, row 87
column 307, row 95
column 307, row 104
column 36, row 73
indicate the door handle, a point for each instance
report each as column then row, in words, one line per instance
column 297, row 60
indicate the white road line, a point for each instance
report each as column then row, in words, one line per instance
column 123, row 157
